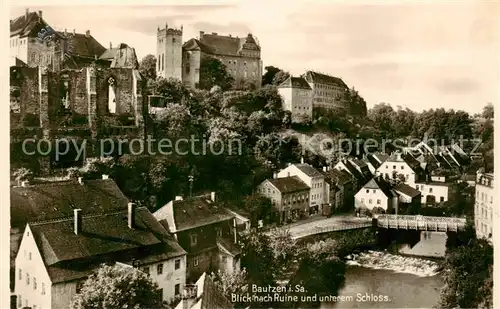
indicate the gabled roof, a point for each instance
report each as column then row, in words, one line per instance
column 125, row 57
column 334, row 176
column 51, row 200
column 83, row 45
column 194, row 44
column 295, row 82
column 308, row 170
column 315, row 77
column 192, row 212
column 228, row 247
column 228, row 45
column 24, row 24
column 208, row 296
column 353, row 171
column 407, row 190
column 373, row 161
column 380, row 157
column 289, row 184
column 103, row 238
column 381, row 184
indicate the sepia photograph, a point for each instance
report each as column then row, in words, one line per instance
column 252, row 154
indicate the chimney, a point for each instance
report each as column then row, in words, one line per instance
column 201, row 34
column 77, row 224
column 288, row 164
column 110, row 45
column 27, row 13
column 212, row 196
column 214, row 33
column 131, row 215
column 40, row 15
column 325, row 169
column 235, row 231
column 104, row 176
column 80, row 180
column 87, row 33
column 178, row 198
column 65, row 32
column 74, row 31
column 302, row 160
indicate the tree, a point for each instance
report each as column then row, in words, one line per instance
column 488, row 111
column 147, row 67
column 171, row 89
column 257, row 258
column 118, row 287
column 268, row 77
column 258, row 206
column 231, row 284
column 468, row 276
column 280, row 77
column 214, row 73
column 285, row 249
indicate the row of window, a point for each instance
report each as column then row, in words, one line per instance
column 316, row 196
column 394, row 167
column 328, row 87
column 484, row 197
column 28, row 280
column 194, row 237
column 485, row 229
column 484, row 213
column 325, row 100
column 163, row 40
column 421, row 188
column 17, row 42
column 370, row 201
column 159, row 267
column 302, row 107
column 20, row 303
column 317, row 185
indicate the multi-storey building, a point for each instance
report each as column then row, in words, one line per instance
column 319, row 193
column 484, row 207
column 289, row 196
column 376, row 193
column 344, row 181
column 206, row 231
column 401, row 166
column 241, row 56
column 169, row 53
column 297, row 98
column 328, row 91
column 57, row 256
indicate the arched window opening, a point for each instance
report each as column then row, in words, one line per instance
column 111, row 95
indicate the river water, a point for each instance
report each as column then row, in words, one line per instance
column 376, row 279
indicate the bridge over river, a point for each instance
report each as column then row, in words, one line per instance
column 420, row 223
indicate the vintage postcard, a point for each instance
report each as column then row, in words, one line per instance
column 278, row 154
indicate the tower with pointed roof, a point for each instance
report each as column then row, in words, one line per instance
column 169, row 52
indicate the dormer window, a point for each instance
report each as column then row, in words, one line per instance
column 194, row 239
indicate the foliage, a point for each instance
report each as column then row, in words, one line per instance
column 171, row 89
column 258, row 206
column 23, row 174
column 285, row 249
column 280, row 77
column 95, row 167
column 258, row 258
column 230, row 284
column 488, row 111
column 118, row 287
column 214, row 73
column 147, row 67
column 468, row 276
column 269, row 75
column 174, row 120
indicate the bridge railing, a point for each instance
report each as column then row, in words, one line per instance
column 327, row 229
column 421, row 218
column 421, row 222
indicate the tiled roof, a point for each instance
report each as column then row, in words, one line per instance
column 335, row 176
column 23, row 24
column 379, row 183
column 381, row 157
column 46, row 201
column 83, row 45
column 228, row 247
column 192, row 212
column 102, row 237
column 228, row 45
column 353, row 171
column 406, row 189
column 308, row 170
column 123, row 56
column 314, row 77
column 295, row 82
column 194, row 44
column 289, row 184
column 373, row 161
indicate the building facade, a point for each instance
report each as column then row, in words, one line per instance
column 484, row 207
column 207, row 231
column 289, row 196
column 376, row 193
column 328, row 91
column 319, row 193
column 51, row 272
column 400, row 166
column 169, row 53
column 183, row 60
column 297, row 98
column 433, row 192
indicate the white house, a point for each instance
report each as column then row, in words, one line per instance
column 433, row 191
column 400, row 164
column 297, row 98
column 56, row 256
column 376, row 193
column 320, row 190
column 484, row 205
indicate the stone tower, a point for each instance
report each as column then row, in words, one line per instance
column 169, row 53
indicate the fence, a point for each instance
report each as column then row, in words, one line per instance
column 422, row 223
column 328, row 229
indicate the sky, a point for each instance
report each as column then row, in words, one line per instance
column 420, row 56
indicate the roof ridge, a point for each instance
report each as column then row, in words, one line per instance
column 70, row 218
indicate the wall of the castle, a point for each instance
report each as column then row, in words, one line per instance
column 244, row 70
column 191, row 68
